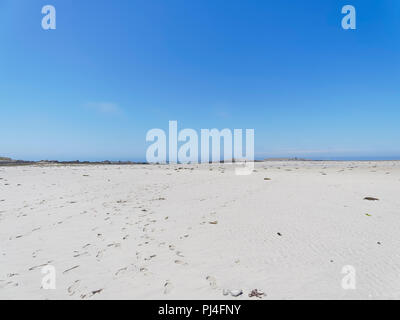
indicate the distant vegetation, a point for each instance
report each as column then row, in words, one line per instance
column 5, row 159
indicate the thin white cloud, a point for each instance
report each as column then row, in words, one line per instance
column 104, row 107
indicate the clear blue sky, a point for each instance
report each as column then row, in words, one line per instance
column 112, row 70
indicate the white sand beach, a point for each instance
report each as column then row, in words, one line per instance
column 196, row 231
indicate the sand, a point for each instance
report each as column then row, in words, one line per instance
column 198, row 231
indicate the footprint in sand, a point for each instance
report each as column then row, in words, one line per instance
column 181, row 262
column 73, row 287
column 121, row 271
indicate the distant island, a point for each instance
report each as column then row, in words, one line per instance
column 5, row 161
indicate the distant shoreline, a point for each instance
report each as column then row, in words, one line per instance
column 56, row 162
column 10, row 162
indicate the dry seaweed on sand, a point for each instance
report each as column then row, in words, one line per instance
column 371, row 199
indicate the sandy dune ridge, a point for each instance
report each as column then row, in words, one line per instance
column 198, row 231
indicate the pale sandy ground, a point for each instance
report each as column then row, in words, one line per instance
column 144, row 232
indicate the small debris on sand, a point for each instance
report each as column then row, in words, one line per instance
column 65, row 271
column 96, row 291
column 168, row 287
column 256, row 293
column 371, row 199
column 212, row 281
column 267, row 179
column 213, row 222
column 236, row 293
